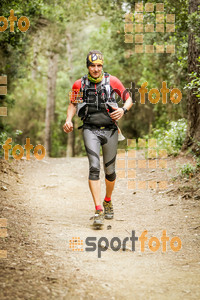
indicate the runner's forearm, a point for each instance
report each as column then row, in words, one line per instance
column 71, row 111
column 128, row 103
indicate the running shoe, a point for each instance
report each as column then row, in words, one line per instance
column 108, row 210
column 98, row 218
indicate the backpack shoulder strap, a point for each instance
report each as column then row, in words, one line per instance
column 84, row 85
column 107, row 78
column 84, row 82
column 107, row 84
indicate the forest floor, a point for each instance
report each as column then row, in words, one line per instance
column 47, row 203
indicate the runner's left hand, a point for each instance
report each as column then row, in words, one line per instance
column 117, row 114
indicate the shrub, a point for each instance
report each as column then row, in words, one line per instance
column 171, row 138
column 187, row 170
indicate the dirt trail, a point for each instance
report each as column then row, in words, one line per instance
column 47, row 203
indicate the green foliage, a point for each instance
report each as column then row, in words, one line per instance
column 4, row 136
column 28, row 114
column 198, row 163
column 194, row 24
column 187, row 170
column 194, row 83
column 171, row 138
column 92, row 25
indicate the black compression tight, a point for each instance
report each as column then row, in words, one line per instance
column 108, row 139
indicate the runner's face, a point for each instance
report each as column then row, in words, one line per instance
column 95, row 70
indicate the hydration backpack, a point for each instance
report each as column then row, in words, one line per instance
column 96, row 100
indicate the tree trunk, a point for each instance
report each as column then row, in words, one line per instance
column 35, row 57
column 36, row 50
column 50, row 107
column 71, row 135
column 193, row 130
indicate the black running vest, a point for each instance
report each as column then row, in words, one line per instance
column 97, row 101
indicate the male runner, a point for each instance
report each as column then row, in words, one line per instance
column 99, row 113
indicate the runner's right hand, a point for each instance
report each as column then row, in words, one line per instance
column 68, row 126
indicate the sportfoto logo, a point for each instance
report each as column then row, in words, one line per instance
column 145, row 20
column 3, row 91
column 116, row 244
column 18, row 151
column 154, row 95
column 3, row 234
column 132, row 163
column 23, row 22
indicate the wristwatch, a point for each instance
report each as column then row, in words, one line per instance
column 125, row 110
